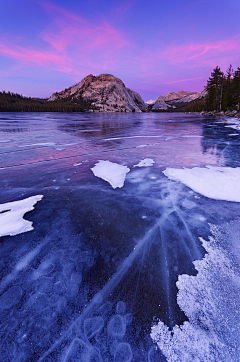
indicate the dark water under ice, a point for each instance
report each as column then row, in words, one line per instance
column 101, row 265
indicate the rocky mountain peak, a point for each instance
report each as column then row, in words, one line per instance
column 106, row 94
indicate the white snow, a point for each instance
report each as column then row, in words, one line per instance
column 111, row 172
column 11, row 216
column 151, row 101
column 219, row 183
column 145, row 163
column 233, row 123
column 211, row 303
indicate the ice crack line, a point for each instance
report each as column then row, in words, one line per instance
column 108, row 288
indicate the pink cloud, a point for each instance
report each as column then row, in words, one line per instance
column 68, row 30
column 38, row 57
column 203, row 53
column 182, row 80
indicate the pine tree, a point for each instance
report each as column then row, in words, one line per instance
column 236, row 89
column 227, row 89
column 215, row 90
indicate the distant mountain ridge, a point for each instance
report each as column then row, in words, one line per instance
column 105, row 92
column 175, row 100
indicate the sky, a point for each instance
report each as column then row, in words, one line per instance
column 153, row 46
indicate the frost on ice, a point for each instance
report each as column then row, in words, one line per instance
column 11, row 216
column 219, row 183
column 111, row 172
column 145, row 163
column 210, row 301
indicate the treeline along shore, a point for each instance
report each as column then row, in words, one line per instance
column 221, row 94
column 12, row 102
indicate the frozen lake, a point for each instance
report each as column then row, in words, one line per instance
column 120, row 237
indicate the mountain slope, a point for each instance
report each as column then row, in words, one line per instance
column 105, row 92
column 176, row 99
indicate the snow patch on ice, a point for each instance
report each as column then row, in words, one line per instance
column 145, row 163
column 11, row 216
column 211, row 302
column 111, row 172
column 219, row 183
column 234, row 123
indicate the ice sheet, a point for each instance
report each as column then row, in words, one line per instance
column 219, row 183
column 11, row 216
column 145, row 163
column 111, row 172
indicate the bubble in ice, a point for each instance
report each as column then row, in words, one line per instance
column 72, row 290
column 59, row 255
column 45, row 268
column 116, row 326
column 155, row 355
column 121, row 307
column 44, row 285
column 128, row 318
column 78, row 351
column 11, row 297
column 92, row 326
column 95, row 356
column 61, row 304
column 76, row 278
column 60, row 286
column 123, row 353
column 38, row 301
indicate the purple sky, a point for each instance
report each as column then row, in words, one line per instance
column 154, row 46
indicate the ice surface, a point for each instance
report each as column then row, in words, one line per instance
column 102, row 267
column 219, row 183
column 111, row 172
column 145, row 163
column 11, row 216
column 11, row 297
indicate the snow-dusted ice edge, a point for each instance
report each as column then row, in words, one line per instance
column 219, row 183
column 233, row 123
column 11, row 216
column 211, row 302
column 111, row 172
